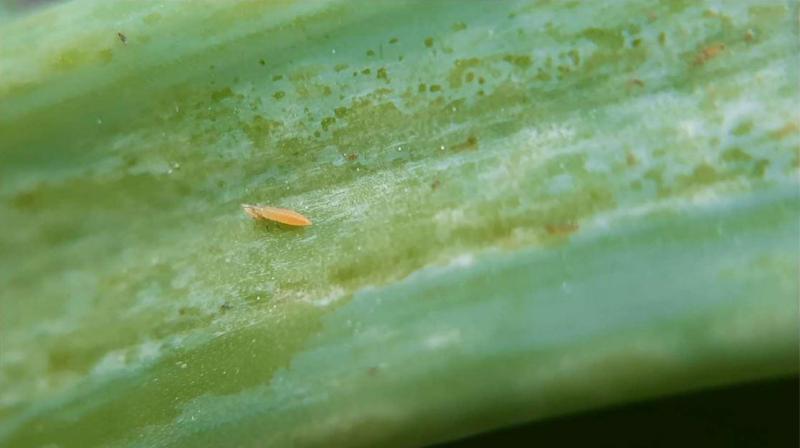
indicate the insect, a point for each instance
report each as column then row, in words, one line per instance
column 122, row 38
column 281, row 215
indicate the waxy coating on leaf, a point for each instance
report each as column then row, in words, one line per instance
column 281, row 215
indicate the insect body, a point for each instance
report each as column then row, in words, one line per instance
column 281, row 215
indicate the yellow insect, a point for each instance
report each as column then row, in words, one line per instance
column 281, row 215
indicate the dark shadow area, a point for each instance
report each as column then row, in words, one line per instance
column 763, row 414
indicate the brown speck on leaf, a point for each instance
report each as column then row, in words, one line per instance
column 708, row 53
column 122, row 38
column 635, row 82
column 470, row 144
column 561, row 229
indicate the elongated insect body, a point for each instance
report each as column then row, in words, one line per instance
column 281, row 215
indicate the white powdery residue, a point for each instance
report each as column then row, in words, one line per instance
column 525, row 235
column 177, row 341
column 127, row 358
column 691, row 128
column 349, row 203
column 443, row 339
column 605, row 221
column 149, row 351
column 737, row 111
column 597, row 164
column 308, row 239
column 536, row 146
column 462, row 261
column 147, row 299
column 451, row 163
column 643, row 115
column 113, row 361
column 185, row 278
column 450, row 217
column 357, row 212
column 773, row 75
column 504, row 172
column 332, row 296
column 555, row 133
column 706, row 197
column 207, row 300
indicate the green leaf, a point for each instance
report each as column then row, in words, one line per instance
column 521, row 209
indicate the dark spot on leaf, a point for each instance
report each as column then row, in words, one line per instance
column 521, row 61
column 221, row 94
column 327, row 122
column 383, row 74
column 458, row 26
